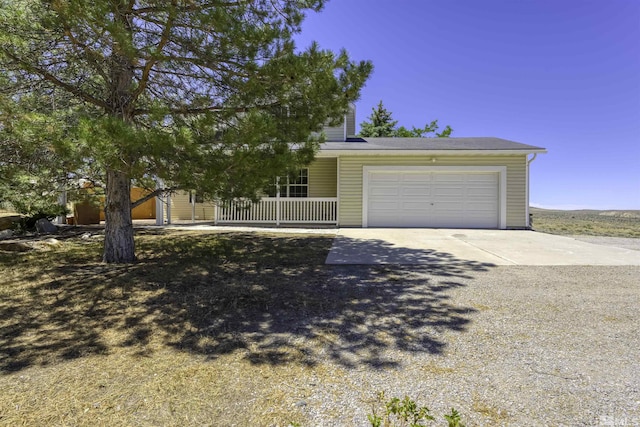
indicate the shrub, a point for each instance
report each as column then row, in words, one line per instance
column 406, row 413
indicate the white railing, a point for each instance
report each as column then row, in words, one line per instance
column 280, row 210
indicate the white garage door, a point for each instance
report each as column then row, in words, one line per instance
column 456, row 199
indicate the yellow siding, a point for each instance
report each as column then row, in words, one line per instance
column 350, row 211
column 323, row 178
column 181, row 208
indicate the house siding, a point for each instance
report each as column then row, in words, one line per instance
column 334, row 133
column 351, row 122
column 337, row 133
column 323, row 178
column 181, row 208
column 351, row 169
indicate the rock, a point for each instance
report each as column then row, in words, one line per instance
column 7, row 222
column 5, row 234
column 44, row 226
column 53, row 242
column 15, row 247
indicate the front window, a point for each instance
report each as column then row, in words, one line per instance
column 294, row 185
column 298, row 184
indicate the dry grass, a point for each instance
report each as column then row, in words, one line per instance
column 496, row 415
column 587, row 222
column 152, row 343
column 205, row 329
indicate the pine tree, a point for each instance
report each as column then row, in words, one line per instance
column 197, row 93
column 381, row 124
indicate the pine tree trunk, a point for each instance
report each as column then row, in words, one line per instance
column 118, row 240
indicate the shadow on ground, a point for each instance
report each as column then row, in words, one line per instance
column 356, row 251
column 269, row 297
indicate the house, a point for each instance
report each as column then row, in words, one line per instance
column 88, row 208
column 391, row 182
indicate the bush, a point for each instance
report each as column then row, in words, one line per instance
column 406, row 413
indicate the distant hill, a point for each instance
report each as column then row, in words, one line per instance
column 612, row 213
column 591, row 222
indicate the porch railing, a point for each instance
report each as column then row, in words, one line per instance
column 280, row 210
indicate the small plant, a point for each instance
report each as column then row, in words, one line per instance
column 453, row 418
column 407, row 413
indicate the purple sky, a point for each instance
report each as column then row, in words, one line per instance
column 559, row 74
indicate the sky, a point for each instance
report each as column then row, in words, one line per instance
column 559, row 74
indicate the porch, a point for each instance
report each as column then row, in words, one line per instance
column 308, row 197
column 279, row 210
column 268, row 211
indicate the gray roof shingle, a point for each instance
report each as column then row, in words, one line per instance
column 436, row 144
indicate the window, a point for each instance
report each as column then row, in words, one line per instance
column 298, row 185
column 294, row 185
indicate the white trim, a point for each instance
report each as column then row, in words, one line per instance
column 500, row 170
column 338, row 192
column 279, row 210
column 527, row 216
column 278, row 199
column 367, row 152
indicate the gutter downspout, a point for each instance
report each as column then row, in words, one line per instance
column 528, row 217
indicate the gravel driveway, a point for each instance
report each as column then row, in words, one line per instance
column 507, row 345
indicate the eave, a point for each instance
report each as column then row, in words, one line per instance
column 341, row 153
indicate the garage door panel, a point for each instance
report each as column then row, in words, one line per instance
column 416, row 179
column 432, row 199
column 455, row 206
column 415, row 192
column 483, row 205
column 422, row 207
column 385, row 204
column 481, row 192
column 450, row 192
column 483, row 177
column 384, row 178
column 380, row 191
column 449, row 177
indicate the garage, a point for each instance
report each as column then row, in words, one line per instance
column 438, row 197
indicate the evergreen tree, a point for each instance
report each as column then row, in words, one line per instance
column 197, row 93
column 381, row 124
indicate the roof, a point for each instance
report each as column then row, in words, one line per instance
column 489, row 144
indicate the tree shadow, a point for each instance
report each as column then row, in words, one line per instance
column 271, row 298
column 358, row 251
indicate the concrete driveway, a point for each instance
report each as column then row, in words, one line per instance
column 357, row 246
